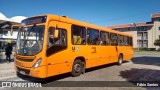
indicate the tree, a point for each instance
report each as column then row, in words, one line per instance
column 157, row 42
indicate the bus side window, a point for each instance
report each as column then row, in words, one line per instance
column 130, row 41
column 58, row 43
column 120, row 40
column 113, row 38
column 92, row 36
column 63, row 37
column 50, row 40
column 78, row 35
column 104, row 38
column 126, row 40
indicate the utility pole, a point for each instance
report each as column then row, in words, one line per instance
column 135, row 27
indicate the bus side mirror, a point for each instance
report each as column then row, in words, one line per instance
column 56, row 33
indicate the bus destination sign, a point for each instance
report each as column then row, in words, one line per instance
column 34, row 20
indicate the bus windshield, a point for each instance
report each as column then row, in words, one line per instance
column 30, row 40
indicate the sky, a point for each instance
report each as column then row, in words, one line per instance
column 99, row 12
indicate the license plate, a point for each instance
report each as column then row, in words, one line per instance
column 22, row 72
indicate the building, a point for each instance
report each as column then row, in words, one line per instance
column 144, row 33
column 5, row 27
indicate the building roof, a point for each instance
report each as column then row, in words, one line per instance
column 129, row 25
column 141, row 24
column 120, row 26
column 137, row 24
column 155, row 15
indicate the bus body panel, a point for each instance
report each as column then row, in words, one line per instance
column 126, row 52
column 27, row 61
column 93, row 55
column 38, row 72
column 59, row 62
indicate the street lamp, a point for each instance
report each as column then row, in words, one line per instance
column 135, row 27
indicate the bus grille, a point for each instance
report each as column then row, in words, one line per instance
column 24, row 59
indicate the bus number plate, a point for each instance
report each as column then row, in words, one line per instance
column 22, row 72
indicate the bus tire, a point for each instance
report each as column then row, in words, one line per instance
column 84, row 67
column 120, row 59
column 77, row 68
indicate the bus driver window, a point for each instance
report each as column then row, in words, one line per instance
column 50, row 40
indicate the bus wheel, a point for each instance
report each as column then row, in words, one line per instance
column 77, row 68
column 84, row 67
column 120, row 59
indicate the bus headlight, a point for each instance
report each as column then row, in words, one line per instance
column 37, row 63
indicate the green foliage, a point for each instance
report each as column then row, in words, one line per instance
column 157, row 42
column 151, row 49
column 145, row 49
column 158, row 49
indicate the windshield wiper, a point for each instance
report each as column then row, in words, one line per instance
column 31, row 29
column 25, row 40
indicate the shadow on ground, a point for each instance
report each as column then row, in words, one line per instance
column 141, row 75
column 59, row 77
column 135, row 76
column 147, row 60
column 45, row 80
column 4, row 61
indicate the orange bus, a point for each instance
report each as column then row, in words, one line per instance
column 49, row 45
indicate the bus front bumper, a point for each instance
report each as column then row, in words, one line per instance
column 39, row 72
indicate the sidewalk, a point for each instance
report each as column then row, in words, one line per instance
column 6, row 69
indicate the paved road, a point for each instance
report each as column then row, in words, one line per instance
column 143, row 67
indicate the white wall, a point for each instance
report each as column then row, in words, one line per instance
column 14, row 35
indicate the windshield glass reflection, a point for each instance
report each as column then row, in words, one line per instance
column 30, row 40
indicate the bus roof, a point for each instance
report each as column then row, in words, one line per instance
column 76, row 22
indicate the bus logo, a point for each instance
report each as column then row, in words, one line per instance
column 94, row 50
column 73, row 48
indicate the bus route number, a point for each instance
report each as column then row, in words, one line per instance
column 94, row 50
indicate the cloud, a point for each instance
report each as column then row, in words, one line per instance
column 17, row 19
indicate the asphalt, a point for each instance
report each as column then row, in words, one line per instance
column 144, row 66
column 6, row 69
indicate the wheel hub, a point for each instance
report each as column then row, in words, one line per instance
column 77, row 67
